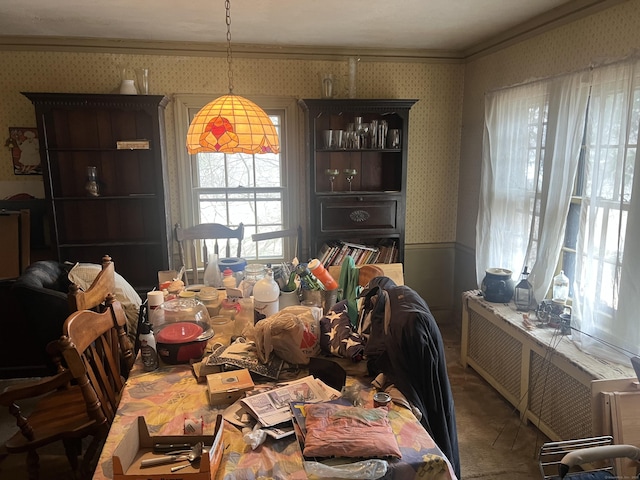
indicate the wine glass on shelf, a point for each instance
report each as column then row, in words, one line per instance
column 350, row 173
column 332, row 173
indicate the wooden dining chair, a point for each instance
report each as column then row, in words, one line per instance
column 192, row 240
column 81, row 400
column 60, row 411
column 93, row 346
column 287, row 233
column 95, row 295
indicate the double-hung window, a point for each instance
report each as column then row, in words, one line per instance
column 586, row 213
column 257, row 190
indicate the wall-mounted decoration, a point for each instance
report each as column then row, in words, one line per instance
column 25, row 150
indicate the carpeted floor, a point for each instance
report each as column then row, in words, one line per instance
column 494, row 443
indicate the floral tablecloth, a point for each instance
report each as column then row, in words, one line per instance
column 170, row 394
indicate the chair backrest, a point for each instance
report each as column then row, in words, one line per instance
column 47, row 297
column 93, row 345
column 291, row 232
column 103, row 285
column 193, row 239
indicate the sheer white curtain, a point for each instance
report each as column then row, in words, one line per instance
column 531, row 149
column 607, row 285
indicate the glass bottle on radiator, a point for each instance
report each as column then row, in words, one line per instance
column 560, row 288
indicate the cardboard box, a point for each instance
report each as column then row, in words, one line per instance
column 137, row 445
column 227, row 387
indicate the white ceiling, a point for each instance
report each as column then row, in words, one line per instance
column 449, row 25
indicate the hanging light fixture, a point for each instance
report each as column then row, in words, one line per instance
column 231, row 123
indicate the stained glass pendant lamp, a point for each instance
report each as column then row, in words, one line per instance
column 231, row 123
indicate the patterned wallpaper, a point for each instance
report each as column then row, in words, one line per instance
column 434, row 136
column 610, row 34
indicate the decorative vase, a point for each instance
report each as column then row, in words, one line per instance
column 497, row 285
column 353, row 73
column 128, row 87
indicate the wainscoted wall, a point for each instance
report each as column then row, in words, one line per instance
column 428, row 269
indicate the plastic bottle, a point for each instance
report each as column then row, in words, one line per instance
column 212, row 276
column 148, row 350
column 560, row 288
column 322, row 274
column 265, row 297
column 228, row 280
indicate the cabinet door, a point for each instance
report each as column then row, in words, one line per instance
column 357, row 171
column 127, row 218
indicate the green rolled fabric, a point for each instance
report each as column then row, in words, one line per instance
column 348, row 288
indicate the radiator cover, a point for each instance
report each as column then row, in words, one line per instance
column 557, row 388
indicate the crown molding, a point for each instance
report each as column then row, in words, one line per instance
column 202, row 49
column 559, row 16
column 562, row 15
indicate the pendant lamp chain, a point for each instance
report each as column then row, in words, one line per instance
column 227, row 6
column 231, row 123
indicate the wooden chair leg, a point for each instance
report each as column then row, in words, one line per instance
column 33, row 465
column 72, row 448
column 91, row 456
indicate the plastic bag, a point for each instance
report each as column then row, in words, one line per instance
column 364, row 470
column 293, row 334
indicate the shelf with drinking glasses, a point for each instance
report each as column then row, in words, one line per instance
column 357, row 167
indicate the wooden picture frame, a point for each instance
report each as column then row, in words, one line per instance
column 25, row 150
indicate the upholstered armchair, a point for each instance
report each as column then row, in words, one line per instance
column 41, row 292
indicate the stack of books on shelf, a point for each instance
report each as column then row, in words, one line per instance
column 333, row 253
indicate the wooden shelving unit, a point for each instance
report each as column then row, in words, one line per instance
column 128, row 218
column 369, row 208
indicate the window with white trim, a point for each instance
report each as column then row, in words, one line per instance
column 257, row 190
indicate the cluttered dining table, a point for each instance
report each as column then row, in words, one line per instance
column 172, row 402
column 233, row 416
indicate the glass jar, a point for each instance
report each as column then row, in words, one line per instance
column 210, row 298
column 560, row 288
column 229, row 308
column 223, row 327
column 252, row 274
column 244, row 318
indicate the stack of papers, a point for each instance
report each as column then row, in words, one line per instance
column 272, row 407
